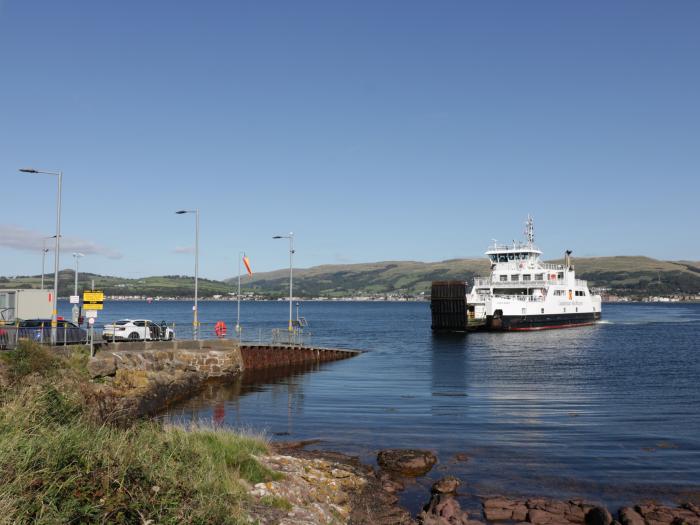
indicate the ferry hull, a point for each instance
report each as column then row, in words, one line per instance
column 517, row 323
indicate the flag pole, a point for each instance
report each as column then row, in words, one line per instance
column 238, row 315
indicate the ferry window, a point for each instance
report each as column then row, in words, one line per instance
column 504, row 278
column 542, row 310
column 526, row 277
column 539, row 277
column 515, row 277
column 502, row 258
column 494, row 258
column 560, row 275
column 510, row 256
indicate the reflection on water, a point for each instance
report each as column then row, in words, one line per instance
column 609, row 411
column 219, row 401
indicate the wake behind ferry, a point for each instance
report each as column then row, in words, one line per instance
column 522, row 293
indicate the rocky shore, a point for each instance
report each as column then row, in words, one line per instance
column 321, row 487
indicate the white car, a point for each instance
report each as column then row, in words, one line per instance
column 137, row 330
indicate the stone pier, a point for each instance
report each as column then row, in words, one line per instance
column 141, row 378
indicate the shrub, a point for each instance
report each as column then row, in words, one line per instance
column 57, row 465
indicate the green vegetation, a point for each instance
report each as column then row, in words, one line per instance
column 166, row 285
column 59, row 465
column 634, row 276
column 625, row 275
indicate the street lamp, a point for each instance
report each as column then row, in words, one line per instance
column 76, row 308
column 195, row 320
column 291, row 265
column 44, row 251
column 54, row 311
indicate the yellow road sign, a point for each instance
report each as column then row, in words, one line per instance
column 93, row 296
column 93, row 306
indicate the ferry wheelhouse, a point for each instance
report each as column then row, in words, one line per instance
column 524, row 293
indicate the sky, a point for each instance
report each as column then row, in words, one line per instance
column 373, row 130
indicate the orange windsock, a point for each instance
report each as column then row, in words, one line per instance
column 246, row 262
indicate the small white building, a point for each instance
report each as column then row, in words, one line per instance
column 25, row 304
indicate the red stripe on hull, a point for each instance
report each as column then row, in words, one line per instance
column 550, row 327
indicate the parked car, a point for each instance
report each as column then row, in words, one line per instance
column 40, row 330
column 137, row 330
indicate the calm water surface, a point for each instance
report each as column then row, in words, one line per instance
column 610, row 411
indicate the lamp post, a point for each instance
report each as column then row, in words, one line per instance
column 291, row 266
column 195, row 319
column 54, row 310
column 238, row 296
column 44, row 250
column 76, row 308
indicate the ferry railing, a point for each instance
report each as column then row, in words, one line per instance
column 480, row 281
column 521, row 298
column 550, row 266
column 517, row 284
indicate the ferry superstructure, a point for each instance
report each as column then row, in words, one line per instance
column 524, row 293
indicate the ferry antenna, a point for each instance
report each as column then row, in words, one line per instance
column 530, row 230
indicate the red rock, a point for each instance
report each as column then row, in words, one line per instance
column 691, row 507
column 519, row 512
column 500, row 502
column 407, row 462
column 542, row 517
column 498, row 514
column 443, row 509
column 628, row 516
column 446, row 485
column 598, row 516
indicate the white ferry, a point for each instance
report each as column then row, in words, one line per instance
column 524, row 293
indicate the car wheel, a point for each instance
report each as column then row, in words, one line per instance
column 134, row 336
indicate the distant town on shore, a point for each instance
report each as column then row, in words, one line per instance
column 619, row 278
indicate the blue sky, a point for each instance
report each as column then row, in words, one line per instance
column 374, row 130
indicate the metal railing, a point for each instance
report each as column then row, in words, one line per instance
column 10, row 335
column 549, row 266
column 481, row 281
column 522, row 298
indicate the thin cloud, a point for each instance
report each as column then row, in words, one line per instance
column 184, row 249
column 22, row 239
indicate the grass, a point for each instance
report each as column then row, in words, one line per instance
column 59, row 465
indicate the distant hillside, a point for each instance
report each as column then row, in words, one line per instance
column 166, row 285
column 624, row 275
column 336, row 280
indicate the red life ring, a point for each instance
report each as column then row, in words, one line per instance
column 220, row 329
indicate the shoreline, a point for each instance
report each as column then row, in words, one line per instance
column 442, row 503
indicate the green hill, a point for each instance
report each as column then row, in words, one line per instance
column 625, row 275
column 628, row 275
column 166, row 285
